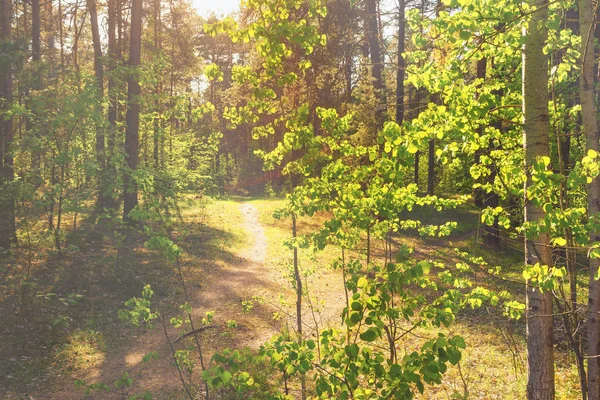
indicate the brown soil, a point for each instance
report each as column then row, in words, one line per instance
column 218, row 285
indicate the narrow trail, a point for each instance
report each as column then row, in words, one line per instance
column 217, row 283
column 227, row 260
column 258, row 251
column 246, row 275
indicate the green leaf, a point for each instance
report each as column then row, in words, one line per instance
column 370, row 334
column 362, row 282
column 454, row 355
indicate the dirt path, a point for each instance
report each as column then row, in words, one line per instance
column 218, row 279
column 254, row 229
column 246, row 275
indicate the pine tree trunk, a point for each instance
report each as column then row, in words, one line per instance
column 430, row 166
column 540, row 350
column 132, row 118
column 372, row 33
column 590, row 126
column 99, row 74
column 112, row 92
column 49, row 28
column 479, row 195
column 416, row 171
column 158, row 118
column 7, row 204
column 35, row 31
column 400, row 70
column 491, row 234
column 35, row 56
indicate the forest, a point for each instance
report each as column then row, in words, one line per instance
column 300, row 199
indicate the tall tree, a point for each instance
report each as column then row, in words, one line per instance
column 113, row 10
column 157, row 108
column 437, row 99
column 590, row 126
column 7, row 205
column 99, row 74
column 132, row 118
column 35, row 30
column 49, row 28
column 35, row 84
column 430, row 166
column 485, row 198
column 372, row 35
column 400, row 69
column 540, row 384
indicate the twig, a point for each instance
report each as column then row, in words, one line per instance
column 194, row 332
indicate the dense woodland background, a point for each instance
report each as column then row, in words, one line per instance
column 439, row 160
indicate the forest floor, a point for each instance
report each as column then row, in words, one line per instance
column 232, row 252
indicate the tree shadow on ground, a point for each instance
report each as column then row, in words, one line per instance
column 42, row 350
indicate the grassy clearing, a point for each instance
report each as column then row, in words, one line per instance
column 494, row 363
column 70, row 329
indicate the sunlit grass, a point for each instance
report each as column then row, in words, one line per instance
column 493, row 365
column 84, row 348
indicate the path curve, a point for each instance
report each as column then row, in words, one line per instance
column 225, row 283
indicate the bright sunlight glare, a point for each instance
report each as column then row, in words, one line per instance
column 219, row 7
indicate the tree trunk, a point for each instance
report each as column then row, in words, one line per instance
column 43, row 130
column 99, row 74
column 132, row 118
column 49, row 28
column 348, row 77
column 372, row 33
column 416, row 175
column 7, row 204
column 540, row 384
column 436, row 98
column 484, row 199
column 431, row 167
column 158, row 118
column 401, row 65
column 111, row 148
column 479, row 195
column 61, row 41
column 491, row 234
column 590, row 126
column 35, row 55
column 35, row 30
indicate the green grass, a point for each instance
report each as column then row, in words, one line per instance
column 494, row 364
column 212, row 235
column 84, row 348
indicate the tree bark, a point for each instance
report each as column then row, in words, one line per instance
column 372, row 33
column 416, row 171
column 400, row 70
column 430, row 166
column 540, row 350
column 49, row 28
column 7, row 204
column 35, row 30
column 479, row 195
column 132, row 118
column 491, row 234
column 35, row 56
column 158, row 118
column 592, row 135
column 99, row 74
column 112, row 92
